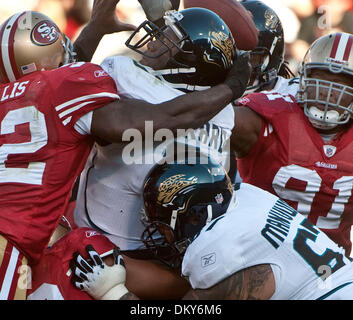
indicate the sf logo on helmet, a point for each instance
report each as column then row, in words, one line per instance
column 45, row 33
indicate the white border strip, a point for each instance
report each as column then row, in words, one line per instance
column 83, row 98
column 79, row 106
column 10, row 271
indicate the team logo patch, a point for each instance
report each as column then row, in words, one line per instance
column 329, row 151
column 208, row 260
column 100, row 73
column 90, row 234
column 45, row 33
column 243, row 101
column 322, row 164
column 219, row 198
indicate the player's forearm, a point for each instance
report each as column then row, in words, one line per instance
column 87, row 42
column 194, row 109
column 187, row 111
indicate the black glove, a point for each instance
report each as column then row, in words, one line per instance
column 239, row 75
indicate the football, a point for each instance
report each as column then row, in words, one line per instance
column 235, row 16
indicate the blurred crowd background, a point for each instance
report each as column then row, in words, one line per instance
column 303, row 21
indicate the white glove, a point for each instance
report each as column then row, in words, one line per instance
column 155, row 9
column 100, row 281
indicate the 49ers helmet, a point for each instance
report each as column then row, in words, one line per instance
column 31, row 41
column 204, row 43
column 334, row 53
column 180, row 199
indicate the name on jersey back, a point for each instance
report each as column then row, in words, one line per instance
column 13, row 90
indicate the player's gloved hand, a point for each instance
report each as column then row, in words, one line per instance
column 100, row 281
column 239, row 75
column 155, row 9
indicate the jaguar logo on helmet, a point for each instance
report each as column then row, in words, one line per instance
column 45, row 33
column 172, row 185
column 224, row 44
column 271, row 20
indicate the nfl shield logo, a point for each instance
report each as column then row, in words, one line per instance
column 219, row 198
column 329, row 151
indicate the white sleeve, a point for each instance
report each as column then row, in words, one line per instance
column 138, row 82
column 83, row 125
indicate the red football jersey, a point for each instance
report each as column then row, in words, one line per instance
column 41, row 153
column 291, row 160
column 51, row 277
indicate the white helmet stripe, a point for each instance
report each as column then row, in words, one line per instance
column 341, row 47
column 5, row 46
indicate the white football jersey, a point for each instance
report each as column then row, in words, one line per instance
column 286, row 86
column 111, row 185
column 262, row 229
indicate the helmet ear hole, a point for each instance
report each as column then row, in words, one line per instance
column 179, row 202
column 194, row 216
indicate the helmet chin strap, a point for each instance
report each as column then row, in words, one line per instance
column 70, row 54
column 209, row 214
column 173, row 219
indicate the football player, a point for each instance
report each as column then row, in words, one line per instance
column 298, row 148
column 181, row 57
column 105, row 21
column 303, row 163
column 269, row 70
column 247, row 244
column 50, row 114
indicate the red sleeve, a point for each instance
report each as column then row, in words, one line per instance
column 79, row 88
column 268, row 105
